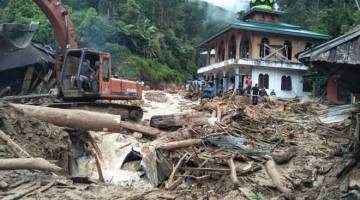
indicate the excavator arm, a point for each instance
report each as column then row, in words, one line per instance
column 60, row 21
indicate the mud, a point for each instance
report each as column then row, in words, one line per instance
column 36, row 137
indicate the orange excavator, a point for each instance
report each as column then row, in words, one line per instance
column 84, row 74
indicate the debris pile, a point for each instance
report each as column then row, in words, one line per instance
column 224, row 148
column 277, row 149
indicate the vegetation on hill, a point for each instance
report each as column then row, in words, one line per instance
column 154, row 40
column 150, row 40
column 332, row 17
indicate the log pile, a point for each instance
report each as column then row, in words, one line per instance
column 273, row 149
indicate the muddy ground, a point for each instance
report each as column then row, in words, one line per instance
column 311, row 174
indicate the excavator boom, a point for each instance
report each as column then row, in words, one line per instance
column 60, row 21
column 85, row 74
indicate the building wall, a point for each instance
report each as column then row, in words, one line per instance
column 275, row 81
column 298, row 43
column 275, row 74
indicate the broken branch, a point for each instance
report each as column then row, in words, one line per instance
column 15, row 148
column 233, row 175
column 274, row 174
column 180, row 144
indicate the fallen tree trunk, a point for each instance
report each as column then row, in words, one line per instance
column 86, row 120
column 285, row 157
column 275, row 176
column 15, row 148
column 169, row 122
column 149, row 131
column 28, row 163
column 180, row 144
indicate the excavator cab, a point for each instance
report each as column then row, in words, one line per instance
column 87, row 74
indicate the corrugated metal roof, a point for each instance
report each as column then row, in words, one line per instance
column 16, row 49
column 314, row 52
column 30, row 55
column 269, row 27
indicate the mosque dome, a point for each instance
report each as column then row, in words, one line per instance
column 262, row 4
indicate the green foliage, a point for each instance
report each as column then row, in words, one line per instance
column 258, row 196
column 153, row 40
column 150, row 71
column 326, row 16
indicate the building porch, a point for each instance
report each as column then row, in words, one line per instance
column 233, row 73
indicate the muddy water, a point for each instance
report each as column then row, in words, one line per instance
column 116, row 147
column 174, row 104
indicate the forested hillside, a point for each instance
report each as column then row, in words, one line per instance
column 151, row 40
column 333, row 17
column 154, row 40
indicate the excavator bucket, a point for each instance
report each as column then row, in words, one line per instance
column 16, row 36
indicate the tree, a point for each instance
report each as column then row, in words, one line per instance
column 327, row 16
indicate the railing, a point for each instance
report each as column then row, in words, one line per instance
column 253, row 63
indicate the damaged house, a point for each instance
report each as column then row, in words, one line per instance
column 338, row 63
column 261, row 47
column 25, row 67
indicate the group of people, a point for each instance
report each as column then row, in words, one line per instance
column 255, row 91
column 249, row 90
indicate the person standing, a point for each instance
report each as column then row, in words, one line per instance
column 255, row 94
column 248, row 83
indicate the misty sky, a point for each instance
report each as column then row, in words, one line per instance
column 233, row 5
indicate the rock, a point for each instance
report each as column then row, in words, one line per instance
column 354, row 180
column 3, row 185
column 159, row 97
column 137, row 135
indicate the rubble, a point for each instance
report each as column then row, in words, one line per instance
column 156, row 97
column 276, row 150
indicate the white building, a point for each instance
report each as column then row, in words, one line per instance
column 260, row 47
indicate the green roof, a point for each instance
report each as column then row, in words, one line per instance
column 269, row 27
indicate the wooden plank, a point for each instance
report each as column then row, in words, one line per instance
column 27, row 79
column 44, row 82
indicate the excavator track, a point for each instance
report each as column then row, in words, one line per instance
column 127, row 112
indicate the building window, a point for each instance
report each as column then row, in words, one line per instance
column 232, row 47
column 286, row 83
column 264, row 50
column 245, row 48
column 287, row 52
column 263, row 81
column 308, row 46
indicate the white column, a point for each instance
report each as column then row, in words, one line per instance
column 215, row 83
column 225, row 87
column 237, row 78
